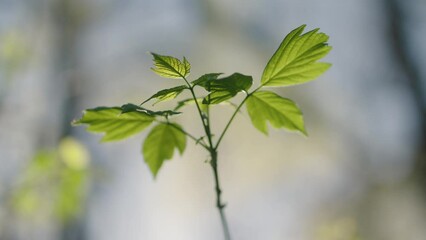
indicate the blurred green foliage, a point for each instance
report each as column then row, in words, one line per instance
column 345, row 228
column 14, row 53
column 54, row 184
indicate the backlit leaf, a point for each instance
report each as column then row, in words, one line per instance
column 167, row 94
column 225, row 88
column 115, row 124
column 295, row 61
column 170, row 67
column 206, row 78
column 265, row 106
column 129, row 107
column 160, row 145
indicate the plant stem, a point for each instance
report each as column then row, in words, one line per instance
column 205, row 119
column 219, row 204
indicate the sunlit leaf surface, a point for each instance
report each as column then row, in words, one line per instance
column 160, row 145
column 265, row 106
column 170, row 67
column 295, row 61
column 115, row 124
column 167, row 94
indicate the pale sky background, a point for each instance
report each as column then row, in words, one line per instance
column 354, row 177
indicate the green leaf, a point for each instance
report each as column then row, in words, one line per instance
column 170, row 67
column 205, row 78
column 115, row 124
column 129, row 107
column 189, row 101
column 167, row 94
column 281, row 112
column 203, row 106
column 225, row 88
column 295, row 61
column 160, row 144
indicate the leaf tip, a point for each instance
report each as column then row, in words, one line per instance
column 304, row 132
column 154, row 170
column 154, row 175
column 75, row 122
column 326, row 65
column 301, row 27
column 106, row 138
column 263, row 129
column 144, row 101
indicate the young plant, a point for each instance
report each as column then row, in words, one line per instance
column 295, row 62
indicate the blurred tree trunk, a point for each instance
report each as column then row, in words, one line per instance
column 57, row 25
column 403, row 53
column 68, row 18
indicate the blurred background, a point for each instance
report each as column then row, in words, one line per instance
column 359, row 175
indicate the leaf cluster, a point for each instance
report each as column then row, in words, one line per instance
column 296, row 61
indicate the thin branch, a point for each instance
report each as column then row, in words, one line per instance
column 196, row 140
column 230, row 121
